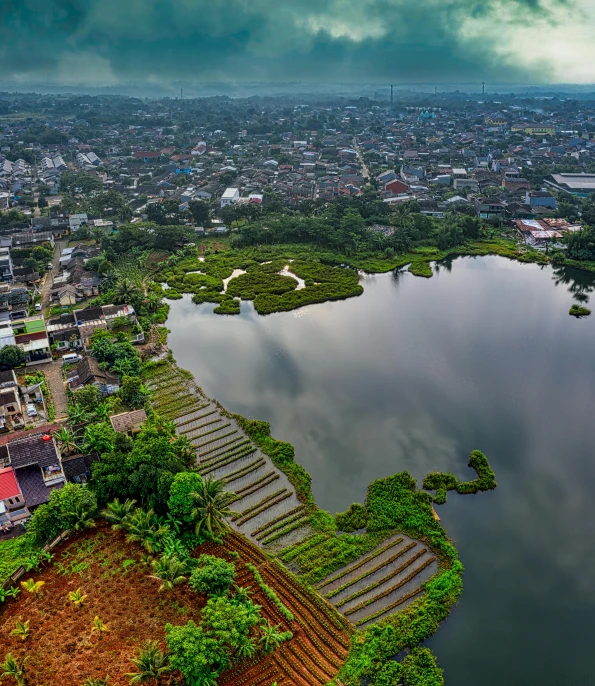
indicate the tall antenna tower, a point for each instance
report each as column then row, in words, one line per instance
column 181, row 93
column 392, row 99
column 483, row 90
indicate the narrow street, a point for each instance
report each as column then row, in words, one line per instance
column 360, row 157
column 48, row 280
column 53, row 370
column 53, row 375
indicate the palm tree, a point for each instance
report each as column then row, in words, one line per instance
column 102, row 411
column 151, row 664
column 33, row 586
column 12, row 667
column 143, row 528
column 81, row 517
column 77, row 597
column 212, row 506
column 117, row 512
column 22, row 630
column 125, row 291
column 66, row 439
column 170, row 570
column 271, row 637
column 152, row 302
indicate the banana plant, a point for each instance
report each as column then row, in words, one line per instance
column 21, row 630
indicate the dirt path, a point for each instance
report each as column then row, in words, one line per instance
column 53, row 374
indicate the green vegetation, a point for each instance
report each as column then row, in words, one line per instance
column 442, row 482
column 212, row 575
column 356, row 517
column 68, row 507
column 231, row 630
column 15, row 552
column 11, row 356
column 579, row 311
column 268, row 591
column 419, row 268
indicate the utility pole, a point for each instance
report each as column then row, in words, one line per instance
column 483, row 90
column 181, row 93
column 392, row 99
column 435, row 91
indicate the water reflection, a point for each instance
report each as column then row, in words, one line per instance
column 415, row 374
column 580, row 283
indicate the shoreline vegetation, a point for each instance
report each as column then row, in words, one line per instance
column 327, row 275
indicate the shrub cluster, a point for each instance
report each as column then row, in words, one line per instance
column 354, row 518
column 442, row 482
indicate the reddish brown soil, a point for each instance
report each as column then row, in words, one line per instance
column 63, row 649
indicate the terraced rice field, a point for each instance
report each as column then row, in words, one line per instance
column 382, row 582
column 321, row 636
column 268, row 510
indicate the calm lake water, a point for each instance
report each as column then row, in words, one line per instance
column 414, row 374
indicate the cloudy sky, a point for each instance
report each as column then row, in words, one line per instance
column 403, row 41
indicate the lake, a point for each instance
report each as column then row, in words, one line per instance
column 413, row 375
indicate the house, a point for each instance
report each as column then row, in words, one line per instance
column 147, row 155
column 77, row 468
column 6, row 268
column 129, row 422
column 540, row 199
column 75, row 221
column 37, row 467
column 89, row 320
column 10, row 406
column 489, row 208
column 12, row 500
column 396, row 187
column 88, row 373
column 230, row 196
column 66, row 295
column 30, row 334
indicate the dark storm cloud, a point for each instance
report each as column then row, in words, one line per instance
column 263, row 39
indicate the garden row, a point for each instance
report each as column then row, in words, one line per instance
column 321, row 637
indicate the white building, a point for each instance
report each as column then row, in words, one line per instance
column 231, row 196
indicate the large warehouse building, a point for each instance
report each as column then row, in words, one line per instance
column 580, row 185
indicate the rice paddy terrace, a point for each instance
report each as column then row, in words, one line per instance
column 386, row 580
column 268, row 509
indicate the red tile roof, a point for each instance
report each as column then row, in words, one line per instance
column 8, row 484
